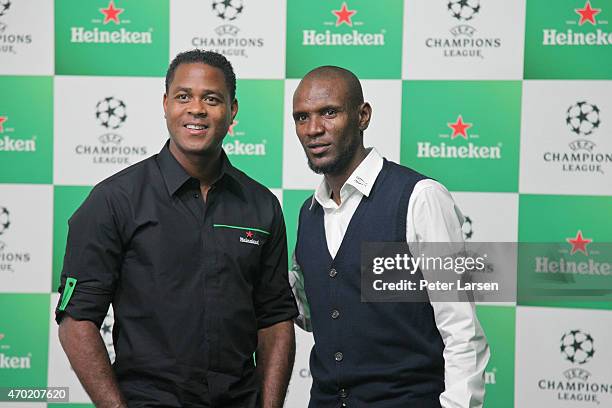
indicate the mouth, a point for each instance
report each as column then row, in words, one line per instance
column 318, row 148
column 196, row 128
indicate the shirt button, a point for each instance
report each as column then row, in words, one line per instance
column 196, row 195
column 335, row 314
column 342, row 393
column 339, row 356
column 333, row 273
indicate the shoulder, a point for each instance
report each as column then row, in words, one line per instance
column 133, row 175
column 117, row 190
column 255, row 192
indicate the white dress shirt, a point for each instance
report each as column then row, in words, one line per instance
column 432, row 216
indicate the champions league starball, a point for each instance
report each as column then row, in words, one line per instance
column 4, row 6
column 111, row 112
column 228, row 10
column 583, row 118
column 577, row 347
column 464, row 10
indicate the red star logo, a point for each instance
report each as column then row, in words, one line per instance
column 2, row 120
column 587, row 14
column 579, row 243
column 459, row 128
column 231, row 128
column 111, row 13
column 344, row 15
column 249, row 234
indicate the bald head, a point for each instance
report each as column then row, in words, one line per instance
column 352, row 86
column 330, row 118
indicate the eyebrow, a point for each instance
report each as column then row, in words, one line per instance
column 206, row 91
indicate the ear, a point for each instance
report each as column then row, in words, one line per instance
column 365, row 114
column 165, row 104
column 234, row 108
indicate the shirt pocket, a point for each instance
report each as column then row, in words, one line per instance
column 240, row 246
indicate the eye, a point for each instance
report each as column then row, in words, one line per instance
column 182, row 97
column 300, row 117
column 330, row 112
column 212, row 100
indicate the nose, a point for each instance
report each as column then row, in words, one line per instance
column 197, row 107
column 314, row 126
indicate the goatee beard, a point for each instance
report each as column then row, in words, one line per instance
column 341, row 162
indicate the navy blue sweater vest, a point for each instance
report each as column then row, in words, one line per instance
column 379, row 355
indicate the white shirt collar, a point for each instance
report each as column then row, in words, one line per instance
column 362, row 179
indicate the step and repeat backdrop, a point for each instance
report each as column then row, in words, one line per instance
column 508, row 103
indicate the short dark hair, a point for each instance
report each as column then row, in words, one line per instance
column 204, row 57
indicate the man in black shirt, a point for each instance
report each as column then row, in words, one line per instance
column 192, row 254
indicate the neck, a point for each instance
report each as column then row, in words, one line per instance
column 337, row 180
column 204, row 167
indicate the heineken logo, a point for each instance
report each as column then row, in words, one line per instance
column 338, row 35
column 463, row 40
column 578, row 243
column 8, row 143
column 111, row 114
column 111, row 13
column 566, row 263
column 569, row 37
column 587, row 14
column 453, row 150
column 13, row 362
column 231, row 131
column 582, row 119
column 108, row 34
column 459, row 128
column 344, row 15
column 249, row 239
column 236, row 147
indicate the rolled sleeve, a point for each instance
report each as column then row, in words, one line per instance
column 433, row 216
column 92, row 260
column 273, row 298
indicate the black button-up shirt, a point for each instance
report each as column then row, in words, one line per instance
column 190, row 281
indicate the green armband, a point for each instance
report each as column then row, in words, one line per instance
column 68, row 289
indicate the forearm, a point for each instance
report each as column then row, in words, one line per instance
column 87, row 354
column 275, row 356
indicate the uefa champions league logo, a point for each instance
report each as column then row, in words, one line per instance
column 227, row 10
column 111, row 112
column 5, row 5
column 583, row 118
column 463, row 10
column 4, row 220
column 577, row 347
column 106, row 331
column 467, row 228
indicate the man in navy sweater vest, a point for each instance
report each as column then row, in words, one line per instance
column 376, row 354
